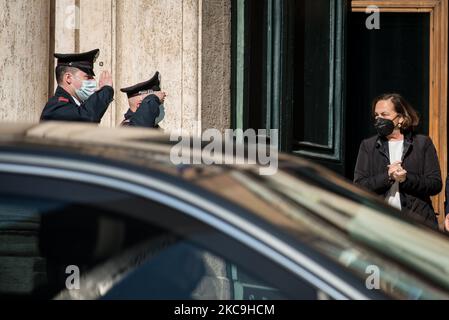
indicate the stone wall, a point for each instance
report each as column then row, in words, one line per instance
column 24, row 59
column 188, row 41
column 216, row 64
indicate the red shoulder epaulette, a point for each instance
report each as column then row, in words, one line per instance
column 62, row 99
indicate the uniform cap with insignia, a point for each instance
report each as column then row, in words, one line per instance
column 83, row 61
column 144, row 87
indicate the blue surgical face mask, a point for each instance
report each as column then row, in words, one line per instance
column 161, row 114
column 87, row 89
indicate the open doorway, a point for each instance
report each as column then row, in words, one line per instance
column 394, row 58
column 407, row 53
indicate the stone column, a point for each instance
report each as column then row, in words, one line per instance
column 97, row 30
column 66, row 26
column 216, row 64
column 82, row 25
column 150, row 39
column 189, row 42
column 24, row 62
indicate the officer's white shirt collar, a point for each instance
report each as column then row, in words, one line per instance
column 76, row 101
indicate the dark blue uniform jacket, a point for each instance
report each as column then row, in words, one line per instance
column 62, row 107
column 146, row 114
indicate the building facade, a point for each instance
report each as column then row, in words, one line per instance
column 187, row 41
column 308, row 68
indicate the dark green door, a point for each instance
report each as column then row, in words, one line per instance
column 289, row 63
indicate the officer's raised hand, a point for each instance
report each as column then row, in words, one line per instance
column 105, row 80
column 161, row 95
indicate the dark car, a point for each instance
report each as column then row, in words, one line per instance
column 97, row 213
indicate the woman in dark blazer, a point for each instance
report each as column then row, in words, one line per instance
column 398, row 164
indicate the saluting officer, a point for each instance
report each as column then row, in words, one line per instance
column 145, row 101
column 78, row 98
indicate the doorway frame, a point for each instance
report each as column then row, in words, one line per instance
column 438, row 77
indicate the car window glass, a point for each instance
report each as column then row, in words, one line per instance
column 68, row 250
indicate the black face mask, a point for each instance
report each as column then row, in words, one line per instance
column 384, row 127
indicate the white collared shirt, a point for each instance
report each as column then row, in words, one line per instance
column 76, row 101
column 393, row 197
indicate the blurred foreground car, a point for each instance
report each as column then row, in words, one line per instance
column 97, row 213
